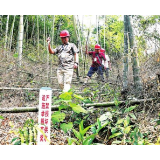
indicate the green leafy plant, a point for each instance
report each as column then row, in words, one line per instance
column 66, row 126
column 66, row 101
column 27, row 135
column 1, row 117
column 83, row 138
column 57, row 117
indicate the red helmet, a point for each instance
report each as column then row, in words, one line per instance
column 64, row 33
column 97, row 46
column 102, row 50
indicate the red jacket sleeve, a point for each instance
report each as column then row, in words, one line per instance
column 90, row 52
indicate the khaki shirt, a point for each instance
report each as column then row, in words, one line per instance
column 66, row 55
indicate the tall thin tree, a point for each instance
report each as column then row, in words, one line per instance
column 11, row 34
column 135, row 62
column 125, row 56
column 44, row 31
column 104, row 30
column 20, row 40
column 97, row 28
column 53, row 20
column 6, row 35
column 38, row 35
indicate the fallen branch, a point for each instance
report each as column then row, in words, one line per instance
column 24, row 109
column 131, row 102
column 55, row 107
column 32, row 89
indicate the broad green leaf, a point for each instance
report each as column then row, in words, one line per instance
column 77, row 108
column 120, row 121
column 57, row 117
column 85, row 130
column 77, row 134
column 99, row 123
column 58, row 101
column 106, row 123
column 78, row 96
column 140, row 134
column 158, row 141
column 132, row 115
column 62, row 107
column 89, row 139
column 72, row 104
column 87, row 101
column 113, row 130
column 127, row 129
column 1, row 117
column 93, row 129
column 126, row 121
column 15, row 55
column 71, row 140
column 130, row 109
column 66, row 96
column 14, row 139
column 81, row 127
column 115, row 135
column 66, row 127
column 17, row 143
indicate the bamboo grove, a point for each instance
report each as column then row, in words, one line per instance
column 26, row 35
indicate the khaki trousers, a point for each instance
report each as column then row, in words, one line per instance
column 64, row 79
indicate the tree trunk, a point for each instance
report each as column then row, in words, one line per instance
column 44, row 34
column 135, row 62
column 11, row 33
column 97, row 29
column 27, row 33
column 76, row 29
column 20, row 40
column 38, row 35
column 5, row 42
column 32, row 30
column 104, row 30
column 1, row 26
column 125, row 56
column 52, row 40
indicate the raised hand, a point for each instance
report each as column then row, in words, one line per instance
column 48, row 39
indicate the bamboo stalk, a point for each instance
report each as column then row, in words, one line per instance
column 55, row 107
column 33, row 89
column 131, row 102
column 24, row 109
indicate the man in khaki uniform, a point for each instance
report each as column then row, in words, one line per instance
column 68, row 59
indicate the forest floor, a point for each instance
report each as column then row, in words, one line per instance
column 34, row 75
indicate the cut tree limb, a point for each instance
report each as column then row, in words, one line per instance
column 55, row 107
column 108, row 104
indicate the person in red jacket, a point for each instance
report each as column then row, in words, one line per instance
column 96, row 66
column 108, row 64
